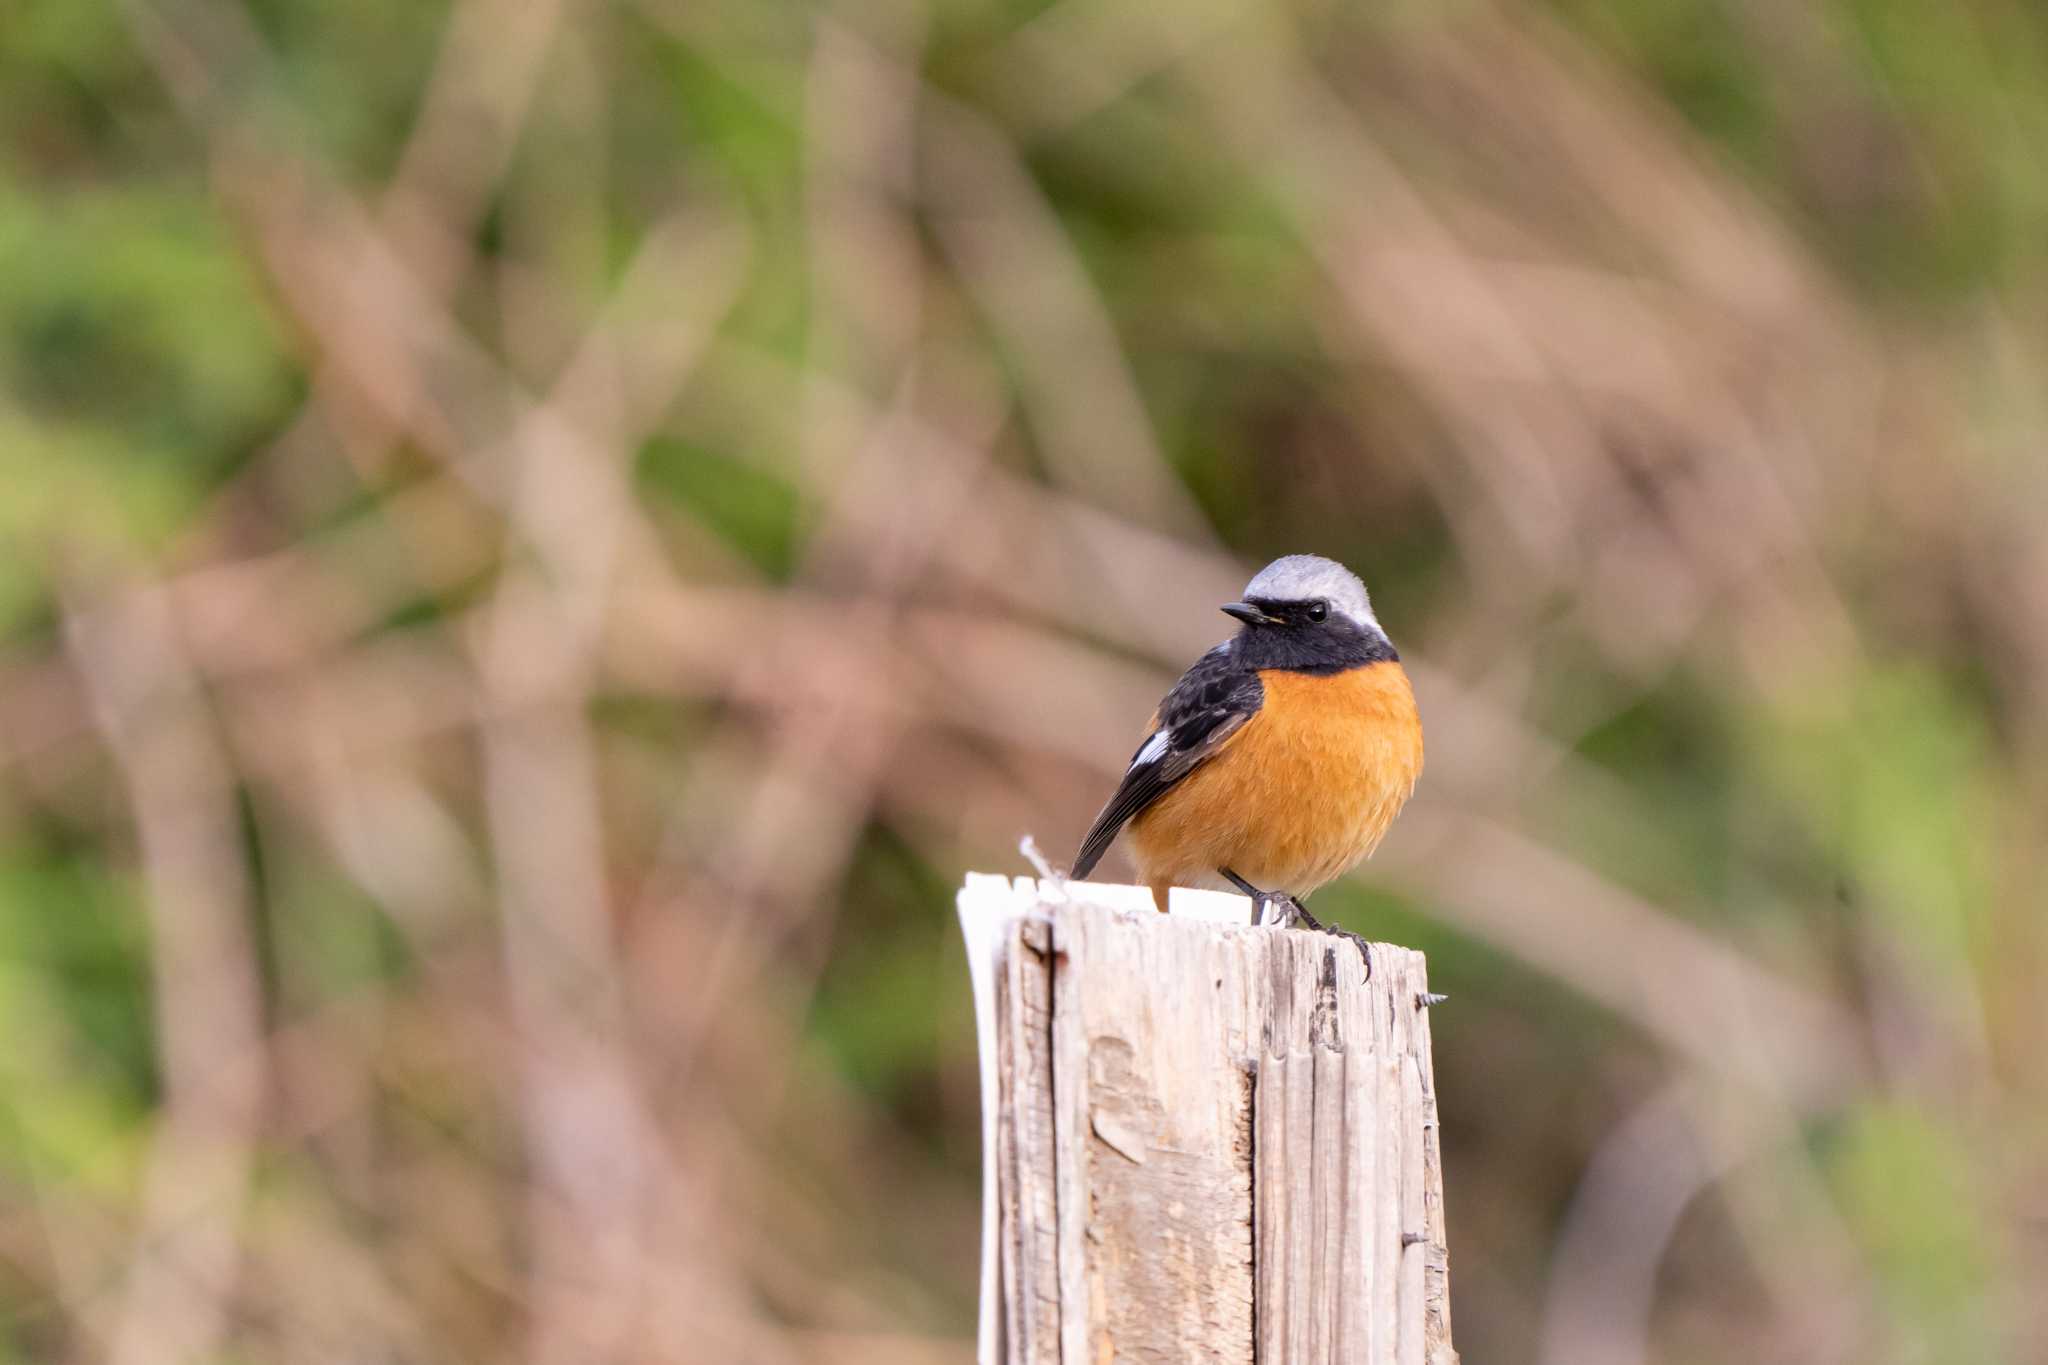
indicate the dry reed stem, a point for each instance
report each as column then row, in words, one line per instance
column 1606, row 376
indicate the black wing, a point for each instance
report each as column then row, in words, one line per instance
column 1209, row 704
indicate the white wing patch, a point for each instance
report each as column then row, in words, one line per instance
column 1152, row 749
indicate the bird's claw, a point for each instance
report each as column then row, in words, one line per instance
column 1364, row 944
column 1293, row 912
column 1284, row 909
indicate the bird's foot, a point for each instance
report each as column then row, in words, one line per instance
column 1288, row 907
column 1364, row 944
column 1293, row 911
column 1310, row 921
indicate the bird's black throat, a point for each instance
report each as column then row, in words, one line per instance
column 1332, row 646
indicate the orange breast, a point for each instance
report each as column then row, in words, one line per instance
column 1300, row 794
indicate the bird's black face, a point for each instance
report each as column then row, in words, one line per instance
column 1269, row 613
column 1305, row 635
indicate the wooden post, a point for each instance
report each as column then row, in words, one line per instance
column 1201, row 1141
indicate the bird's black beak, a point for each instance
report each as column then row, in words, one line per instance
column 1249, row 614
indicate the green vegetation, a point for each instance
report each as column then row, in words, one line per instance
column 541, row 541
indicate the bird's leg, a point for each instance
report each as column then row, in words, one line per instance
column 1301, row 911
column 1289, row 907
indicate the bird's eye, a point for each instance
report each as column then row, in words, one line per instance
column 1317, row 611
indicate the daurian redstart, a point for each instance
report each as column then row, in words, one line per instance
column 1278, row 760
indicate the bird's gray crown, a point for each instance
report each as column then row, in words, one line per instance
column 1301, row 578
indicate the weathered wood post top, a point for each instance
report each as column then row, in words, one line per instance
column 1201, row 1140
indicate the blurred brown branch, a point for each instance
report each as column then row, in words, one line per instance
column 735, row 467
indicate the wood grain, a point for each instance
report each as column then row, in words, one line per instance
column 1208, row 1141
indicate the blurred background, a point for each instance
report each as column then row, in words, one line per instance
column 544, row 536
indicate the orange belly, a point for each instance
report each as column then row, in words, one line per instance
column 1304, row 791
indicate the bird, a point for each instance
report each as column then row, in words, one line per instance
column 1280, row 758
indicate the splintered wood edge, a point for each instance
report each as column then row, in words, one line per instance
column 990, row 907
